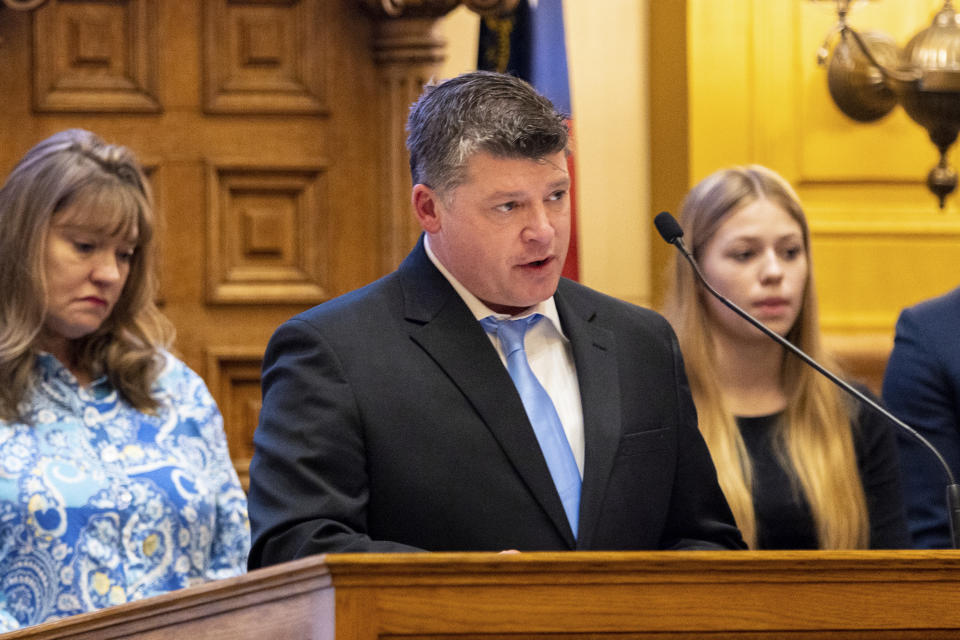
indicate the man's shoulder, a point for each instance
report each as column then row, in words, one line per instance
column 949, row 302
column 374, row 299
column 935, row 314
column 585, row 300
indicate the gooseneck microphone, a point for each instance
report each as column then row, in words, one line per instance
column 671, row 232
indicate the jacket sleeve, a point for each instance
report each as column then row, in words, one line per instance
column 308, row 477
column 916, row 388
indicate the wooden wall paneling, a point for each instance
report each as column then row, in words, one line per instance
column 153, row 168
column 96, row 57
column 19, row 128
column 292, row 88
column 183, row 258
column 233, row 375
column 268, row 233
column 265, row 56
column 288, row 205
column 408, row 52
column 12, row 52
column 351, row 144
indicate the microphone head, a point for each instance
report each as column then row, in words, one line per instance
column 668, row 227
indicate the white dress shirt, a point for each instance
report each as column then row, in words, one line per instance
column 548, row 352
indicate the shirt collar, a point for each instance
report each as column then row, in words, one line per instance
column 51, row 368
column 547, row 308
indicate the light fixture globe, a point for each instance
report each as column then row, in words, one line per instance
column 936, row 49
column 856, row 85
column 933, row 100
column 866, row 80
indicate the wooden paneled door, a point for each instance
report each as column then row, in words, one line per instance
column 257, row 123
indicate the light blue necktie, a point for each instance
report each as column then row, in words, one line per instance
column 541, row 412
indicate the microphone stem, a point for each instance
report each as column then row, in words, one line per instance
column 953, row 490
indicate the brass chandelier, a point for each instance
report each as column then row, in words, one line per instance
column 868, row 75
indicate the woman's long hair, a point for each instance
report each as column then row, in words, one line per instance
column 77, row 175
column 814, row 440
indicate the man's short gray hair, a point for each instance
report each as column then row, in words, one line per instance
column 479, row 111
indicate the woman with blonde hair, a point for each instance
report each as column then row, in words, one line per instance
column 801, row 464
column 115, row 480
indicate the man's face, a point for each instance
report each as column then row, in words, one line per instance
column 503, row 232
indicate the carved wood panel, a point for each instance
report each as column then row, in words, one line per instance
column 96, row 56
column 233, row 375
column 267, row 232
column 264, row 56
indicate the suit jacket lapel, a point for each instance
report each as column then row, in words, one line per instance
column 444, row 327
column 594, row 352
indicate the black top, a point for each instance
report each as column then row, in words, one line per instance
column 784, row 520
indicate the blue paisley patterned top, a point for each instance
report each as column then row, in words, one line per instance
column 102, row 504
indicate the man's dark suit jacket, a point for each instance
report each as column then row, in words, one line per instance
column 389, row 423
column 922, row 387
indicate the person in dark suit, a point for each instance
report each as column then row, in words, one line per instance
column 391, row 420
column 922, row 387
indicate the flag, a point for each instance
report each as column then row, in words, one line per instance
column 529, row 43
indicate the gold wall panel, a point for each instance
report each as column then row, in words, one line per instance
column 268, row 234
column 264, row 56
column 95, row 57
column 880, row 242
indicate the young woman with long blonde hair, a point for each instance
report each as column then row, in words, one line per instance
column 801, row 465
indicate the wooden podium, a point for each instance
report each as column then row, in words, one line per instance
column 469, row 596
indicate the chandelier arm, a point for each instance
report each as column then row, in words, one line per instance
column 895, row 75
column 823, row 53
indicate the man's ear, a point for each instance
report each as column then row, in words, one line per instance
column 427, row 206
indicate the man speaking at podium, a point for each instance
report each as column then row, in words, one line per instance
column 473, row 400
